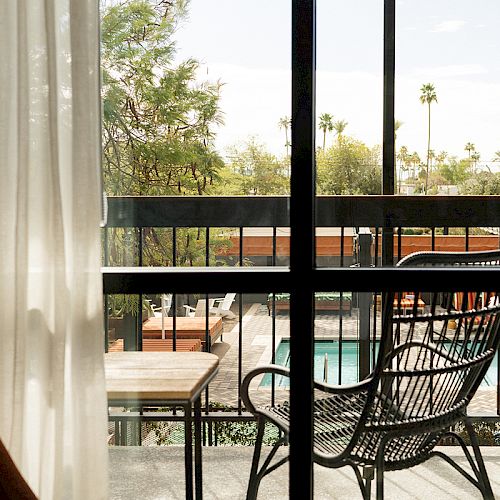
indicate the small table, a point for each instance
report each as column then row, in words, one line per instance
column 164, row 379
column 185, row 328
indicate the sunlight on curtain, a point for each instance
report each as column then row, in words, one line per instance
column 52, row 391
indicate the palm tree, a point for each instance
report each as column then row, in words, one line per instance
column 325, row 125
column 427, row 96
column 475, row 158
column 441, row 157
column 339, row 126
column 285, row 123
column 402, row 156
column 397, row 125
column 497, row 156
column 470, row 147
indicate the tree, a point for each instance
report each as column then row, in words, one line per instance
column 255, row 171
column 470, row 147
column 474, row 157
column 483, row 183
column 497, row 156
column 397, row 125
column 402, row 157
column 441, row 157
column 455, row 171
column 350, row 167
column 428, row 96
column 285, row 123
column 339, row 126
column 157, row 120
column 158, row 126
column 325, row 125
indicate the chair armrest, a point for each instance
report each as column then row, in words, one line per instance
column 339, row 389
column 189, row 308
column 273, row 369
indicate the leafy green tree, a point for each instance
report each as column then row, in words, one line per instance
column 428, row 96
column 325, row 125
column 470, row 148
column 350, row 167
column 255, row 171
column 158, row 126
column 157, row 120
column 482, row 183
column 455, row 171
column 284, row 123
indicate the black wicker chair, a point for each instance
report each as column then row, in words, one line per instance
column 430, row 364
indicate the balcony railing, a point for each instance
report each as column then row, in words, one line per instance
column 363, row 231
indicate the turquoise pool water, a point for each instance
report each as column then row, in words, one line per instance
column 349, row 363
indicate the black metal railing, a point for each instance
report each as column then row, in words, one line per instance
column 359, row 222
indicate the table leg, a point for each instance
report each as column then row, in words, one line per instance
column 188, row 450
column 197, row 449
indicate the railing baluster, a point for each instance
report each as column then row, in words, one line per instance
column 273, row 326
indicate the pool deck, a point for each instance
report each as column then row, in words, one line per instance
column 257, row 350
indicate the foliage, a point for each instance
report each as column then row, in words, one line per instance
column 454, row 171
column 349, row 167
column 157, row 122
column 488, row 434
column 325, row 125
column 254, row 171
column 483, row 183
column 225, row 433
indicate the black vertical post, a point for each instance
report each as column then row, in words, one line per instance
column 388, row 153
column 364, row 303
column 139, row 309
column 302, row 247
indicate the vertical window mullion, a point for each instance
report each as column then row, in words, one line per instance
column 302, row 247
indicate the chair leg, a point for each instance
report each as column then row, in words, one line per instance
column 380, row 480
column 486, row 489
column 254, row 481
column 368, row 477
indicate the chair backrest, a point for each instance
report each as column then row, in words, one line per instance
column 432, row 358
column 225, row 305
column 201, row 308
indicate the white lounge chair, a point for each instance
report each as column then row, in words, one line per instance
column 164, row 309
column 200, row 309
column 223, row 307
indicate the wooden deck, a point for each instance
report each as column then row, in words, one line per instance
column 186, row 328
column 161, row 345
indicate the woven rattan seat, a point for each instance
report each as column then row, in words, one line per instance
column 430, row 363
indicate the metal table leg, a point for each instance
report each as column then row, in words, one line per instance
column 188, row 450
column 197, row 449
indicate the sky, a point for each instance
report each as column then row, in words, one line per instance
column 453, row 44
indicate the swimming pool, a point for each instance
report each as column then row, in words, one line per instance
column 330, row 348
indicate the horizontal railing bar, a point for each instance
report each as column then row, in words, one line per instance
column 193, row 279
column 223, row 416
column 169, row 417
column 332, row 211
column 261, row 279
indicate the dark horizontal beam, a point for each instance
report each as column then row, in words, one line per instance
column 193, row 279
column 198, row 211
column 331, row 211
column 266, row 279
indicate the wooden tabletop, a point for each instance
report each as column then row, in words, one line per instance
column 162, row 376
column 182, row 324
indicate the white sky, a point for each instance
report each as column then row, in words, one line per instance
column 453, row 44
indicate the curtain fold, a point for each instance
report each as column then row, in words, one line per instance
column 53, row 416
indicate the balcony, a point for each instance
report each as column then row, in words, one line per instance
column 154, row 473
column 353, row 237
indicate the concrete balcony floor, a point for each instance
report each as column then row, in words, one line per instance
column 157, row 473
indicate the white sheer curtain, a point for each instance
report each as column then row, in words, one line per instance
column 52, row 392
